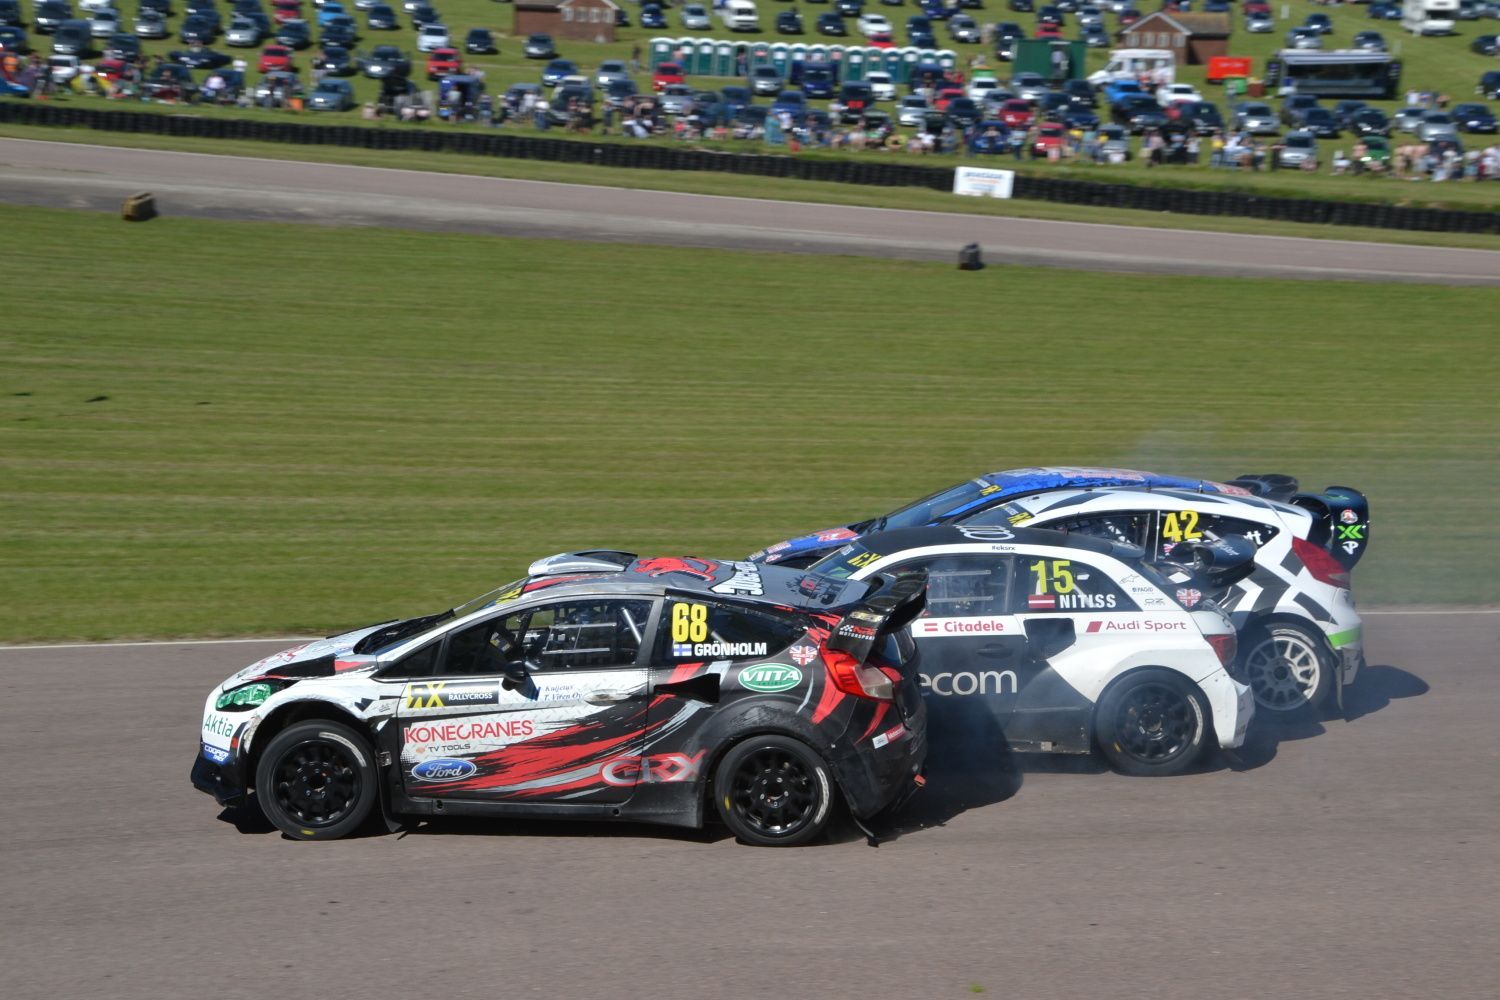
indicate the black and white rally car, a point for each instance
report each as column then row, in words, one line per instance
column 600, row 686
column 1060, row 644
column 1300, row 637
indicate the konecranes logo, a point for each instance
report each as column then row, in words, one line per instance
column 769, row 678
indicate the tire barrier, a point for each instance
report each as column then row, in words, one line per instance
column 645, row 156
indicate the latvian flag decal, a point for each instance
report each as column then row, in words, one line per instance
column 1041, row 602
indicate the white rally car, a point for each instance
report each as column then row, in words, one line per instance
column 1300, row 637
column 1060, row 644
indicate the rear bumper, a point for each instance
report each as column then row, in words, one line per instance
column 886, row 770
column 222, row 781
column 1232, row 706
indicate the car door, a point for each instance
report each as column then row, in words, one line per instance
column 1071, row 610
column 535, row 705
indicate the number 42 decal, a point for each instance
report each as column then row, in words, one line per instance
column 1181, row 526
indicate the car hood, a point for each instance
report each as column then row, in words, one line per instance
column 318, row 658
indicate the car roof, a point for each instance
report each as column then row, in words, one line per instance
column 905, row 539
column 1156, row 499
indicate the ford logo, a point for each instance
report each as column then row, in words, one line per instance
column 443, row 769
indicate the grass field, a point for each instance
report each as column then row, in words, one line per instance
column 318, row 428
column 1439, row 64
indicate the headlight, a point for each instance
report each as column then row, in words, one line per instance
column 247, row 696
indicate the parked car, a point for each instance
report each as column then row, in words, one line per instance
column 1029, row 86
column 554, row 71
column 293, row 34
column 334, row 60
column 1435, row 125
column 1259, row 23
column 151, row 24
column 1369, row 121
column 1320, row 23
column 831, row 24
column 764, row 80
column 882, row 85
column 103, row 22
column 1201, row 116
column 479, row 41
column 913, row 109
column 539, row 46
column 48, row 15
column 1474, row 118
column 1369, row 41
column 431, row 37
column 242, row 33
column 665, row 74
column 386, row 61
column 444, row 62
column 382, row 17
column 331, row 95
column 963, row 29
column 1384, row 11
column 789, row 22
column 276, row 57
column 1256, row 117
column 695, row 17
column 1303, row 37
column 1489, row 85
column 198, row 57
column 1321, row 123
column 1298, row 149
column 1138, row 113
column 1293, row 106
column 1408, row 119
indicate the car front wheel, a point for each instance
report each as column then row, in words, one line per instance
column 316, row 780
column 773, row 791
column 1153, row 722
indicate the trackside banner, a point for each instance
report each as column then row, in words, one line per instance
column 982, row 183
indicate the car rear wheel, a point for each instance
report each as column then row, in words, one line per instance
column 316, row 781
column 773, row 791
column 1287, row 669
column 1153, row 722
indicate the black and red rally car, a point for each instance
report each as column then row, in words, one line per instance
column 602, row 685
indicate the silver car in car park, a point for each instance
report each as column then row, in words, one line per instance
column 1297, row 148
column 1408, row 119
column 1257, row 118
column 243, row 33
column 104, row 23
column 912, row 110
column 149, row 24
column 677, row 99
column 765, row 80
column 610, row 70
column 1437, row 125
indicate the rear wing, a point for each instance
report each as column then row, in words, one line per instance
column 1267, row 485
column 1216, row 564
column 1341, row 522
column 890, row 607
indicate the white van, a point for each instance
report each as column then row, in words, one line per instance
column 1156, row 65
column 1429, row 17
column 740, row 15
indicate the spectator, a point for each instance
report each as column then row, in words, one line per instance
column 1340, row 162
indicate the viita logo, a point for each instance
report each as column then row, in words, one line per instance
column 769, row 678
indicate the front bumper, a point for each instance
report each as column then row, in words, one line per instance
column 223, row 781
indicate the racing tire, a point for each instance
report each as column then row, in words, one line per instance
column 773, row 791
column 1153, row 723
column 316, row 780
column 1289, row 671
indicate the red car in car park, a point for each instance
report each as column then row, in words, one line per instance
column 276, row 57
column 1016, row 113
column 1052, row 136
column 665, row 73
column 443, row 62
column 283, row 11
column 1048, row 31
column 945, row 96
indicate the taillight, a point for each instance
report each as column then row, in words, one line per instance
column 1324, row 567
column 1224, row 646
column 859, row 679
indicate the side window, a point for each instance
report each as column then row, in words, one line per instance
column 1132, row 529
column 965, row 586
column 1067, row 585
column 419, row 663
column 484, row 647
column 1192, row 526
column 710, row 630
column 586, row 635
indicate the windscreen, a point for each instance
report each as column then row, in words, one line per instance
column 935, row 507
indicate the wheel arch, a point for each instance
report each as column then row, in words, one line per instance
column 288, row 715
column 1276, row 616
column 1208, row 716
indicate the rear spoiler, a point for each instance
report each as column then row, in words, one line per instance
column 1267, row 485
column 1341, row 522
column 890, row 607
column 587, row 561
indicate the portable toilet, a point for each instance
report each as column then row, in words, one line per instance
column 779, row 58
column 948, row 59
column 724, row 59
column 759, row 55
column 703, row 57
column 682, row 52
column 796, row 52
column 817, row 53
column 854, row 65
column 909, row 59
column 661, row 50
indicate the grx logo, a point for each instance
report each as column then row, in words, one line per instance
column 1351, row 532
column 426, row 695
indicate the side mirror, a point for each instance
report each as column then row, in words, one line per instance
column 516, row 673
column 1049, row 636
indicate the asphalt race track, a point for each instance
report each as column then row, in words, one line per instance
column 100, row 177
column 1350, row 858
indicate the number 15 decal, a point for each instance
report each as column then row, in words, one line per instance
column 1058, row 581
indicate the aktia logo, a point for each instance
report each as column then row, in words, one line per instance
column 768, row 678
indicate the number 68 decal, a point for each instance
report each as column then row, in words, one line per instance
column 689, row 622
